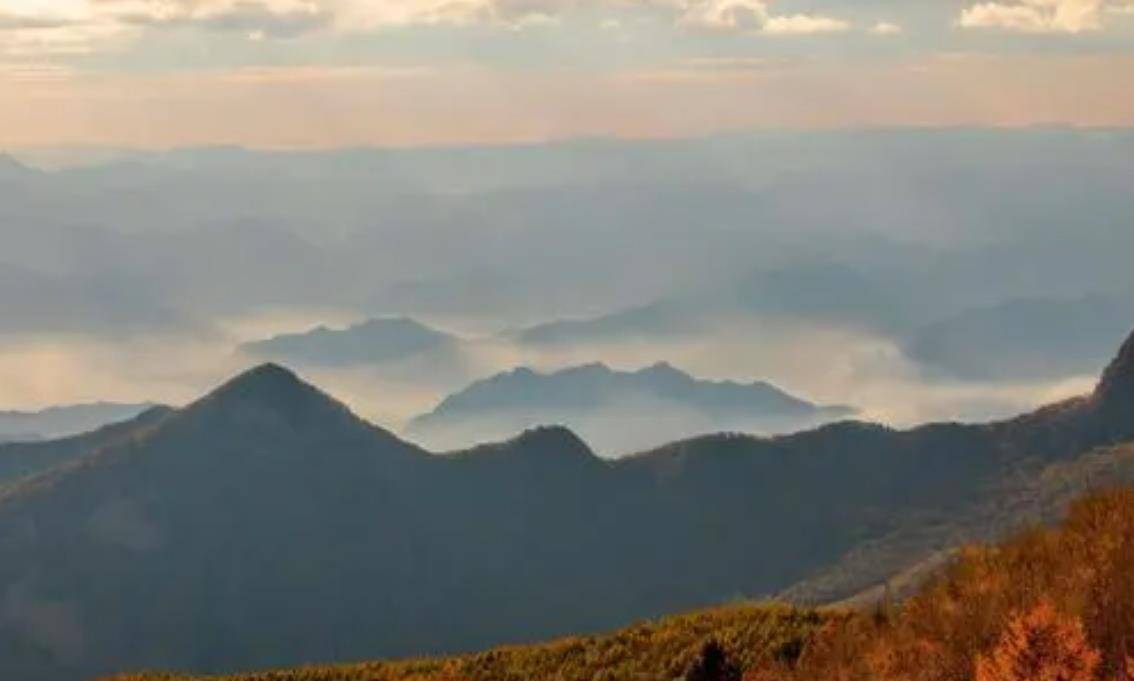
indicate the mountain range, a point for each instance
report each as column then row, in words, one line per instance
column 614, row 411
column 266, row 525
column 1023, row 338
column 374, row 341
column 64, row 421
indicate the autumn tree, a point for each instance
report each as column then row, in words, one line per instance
column 1040, row 645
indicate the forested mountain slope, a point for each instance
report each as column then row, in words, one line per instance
column 265, row 525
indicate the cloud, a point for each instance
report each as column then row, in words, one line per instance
column 276, row 18
column 1036, row 16
column 886, row 28
column 355, row 14
column 753, row 16
column 34, row 27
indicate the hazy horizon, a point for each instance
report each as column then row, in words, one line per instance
column 884, row 204
column 909, row 292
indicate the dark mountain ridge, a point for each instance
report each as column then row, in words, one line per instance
column 265, row 525
column 20, row 459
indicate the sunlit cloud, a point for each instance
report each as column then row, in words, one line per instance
column 36, row 27
column 1036, row 16
column 754, row 16
column 71, row 26
column 885, row 28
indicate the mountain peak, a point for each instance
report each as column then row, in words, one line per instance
column 1117, row 384
column 263, row 376
column 557, row 442
column 664, row 370
column 271, row 387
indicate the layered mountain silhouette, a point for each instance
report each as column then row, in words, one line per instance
column 266, row 525
column 374, row 341
column 615, row 411
column 1032, row 338
column 661, row 319
column 64, row 421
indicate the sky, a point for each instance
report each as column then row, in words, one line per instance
column 327, row 73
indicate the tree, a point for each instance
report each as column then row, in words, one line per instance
column 713, row 665
column 1040, row 645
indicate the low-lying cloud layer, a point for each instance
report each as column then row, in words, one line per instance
column 910, row 291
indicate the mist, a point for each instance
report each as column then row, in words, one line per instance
column 867, row 269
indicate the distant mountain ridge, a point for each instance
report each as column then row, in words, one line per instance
column 660, row 319
column 64, row 421
column 1026, row 338
column 368, row 342
column 662, row 401
column 265, row 525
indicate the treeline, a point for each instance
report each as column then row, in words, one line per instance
column 1052, row 604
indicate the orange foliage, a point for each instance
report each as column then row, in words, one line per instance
column 1066, row 594
column 1040, row 645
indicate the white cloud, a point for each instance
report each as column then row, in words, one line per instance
column 886, row 28
column 1036, row 16
column 753, row 16
column 507, row 13
column 42, row 27
column 46, row 27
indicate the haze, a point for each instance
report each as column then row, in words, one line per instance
column 917, row 209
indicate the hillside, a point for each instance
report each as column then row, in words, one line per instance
column 615, row 411
column 265, row 526
column 916, row 547
column 650, row 651
column 20, row 459
column 64, row 421
column 1046, row 604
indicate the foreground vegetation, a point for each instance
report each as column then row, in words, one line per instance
column 1049, row 605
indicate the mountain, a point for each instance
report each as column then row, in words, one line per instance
column 23, row 459
column 615, row 411
column 661, row 319
column 658, row 650
column 265, row 525
column 373, row 341
column 1022, row 339
column 1049, row 603
column 64, row 421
